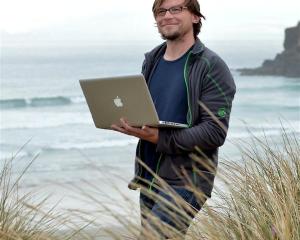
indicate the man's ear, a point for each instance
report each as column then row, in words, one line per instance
column 196, row 19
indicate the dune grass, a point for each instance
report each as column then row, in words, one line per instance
column 18, row 219
column 263, row 198
column 22, row 217
column 257, row 197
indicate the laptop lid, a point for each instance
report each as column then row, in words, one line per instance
column 111, row 98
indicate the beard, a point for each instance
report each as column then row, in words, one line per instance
column 172, row 34
column 171, row 37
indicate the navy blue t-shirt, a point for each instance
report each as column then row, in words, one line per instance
column 169, row 94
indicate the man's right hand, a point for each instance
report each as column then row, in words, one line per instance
column 146, row 133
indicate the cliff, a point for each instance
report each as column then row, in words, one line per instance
column 286, row 63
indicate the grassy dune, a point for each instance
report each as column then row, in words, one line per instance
column 257, row 198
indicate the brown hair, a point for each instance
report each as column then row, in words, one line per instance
column 192, row 5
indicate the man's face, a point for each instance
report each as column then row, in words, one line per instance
column 175, row 26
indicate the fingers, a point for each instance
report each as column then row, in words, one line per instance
column 125, row 125
column 127, row 129
column 146, row 129
column 145, row 132
column 132, row 130
column 118, row 129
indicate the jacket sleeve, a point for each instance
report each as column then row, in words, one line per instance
column 217, row 94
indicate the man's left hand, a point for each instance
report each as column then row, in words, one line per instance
column 146, row 133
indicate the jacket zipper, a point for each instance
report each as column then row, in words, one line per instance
column 156, row 172
column 185, row 75
column 139, row 173
column 189, row 114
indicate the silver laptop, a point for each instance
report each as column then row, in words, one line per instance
column 109, row 99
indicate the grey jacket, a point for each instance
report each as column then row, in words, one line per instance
column 209, row 81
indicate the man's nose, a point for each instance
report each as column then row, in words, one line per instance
column 168, row 15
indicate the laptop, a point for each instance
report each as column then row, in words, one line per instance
column 111, row 98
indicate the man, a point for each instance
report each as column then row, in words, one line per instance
column 189, row 84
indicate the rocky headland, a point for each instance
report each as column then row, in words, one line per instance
column 286, row 63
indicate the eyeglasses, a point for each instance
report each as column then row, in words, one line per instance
column 173, row 10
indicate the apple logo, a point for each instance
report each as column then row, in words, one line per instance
column 118, row 102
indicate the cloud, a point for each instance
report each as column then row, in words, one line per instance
column 25, row 16
column 100, row 20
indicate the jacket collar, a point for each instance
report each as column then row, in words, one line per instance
column 198, row 47
column 160, row 50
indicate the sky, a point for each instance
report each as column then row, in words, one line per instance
column 107, row 20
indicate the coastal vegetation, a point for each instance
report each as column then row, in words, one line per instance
column 257, row 197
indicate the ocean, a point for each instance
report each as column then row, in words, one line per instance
column 43, row 110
